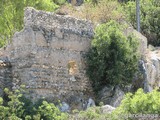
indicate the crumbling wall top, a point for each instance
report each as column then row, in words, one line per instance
column 50, row 20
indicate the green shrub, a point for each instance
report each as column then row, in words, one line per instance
column 13, row 110
column 113, row 56
column 18, row 108
column 59, row 2
column 92, row 113
column 139, row 103
column 49, row 111
column 149, row 17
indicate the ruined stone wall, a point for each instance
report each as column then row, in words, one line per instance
column 5, row 75
column 48, row 56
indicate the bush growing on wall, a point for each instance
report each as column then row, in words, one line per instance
column 150, row 18
column 113, row 56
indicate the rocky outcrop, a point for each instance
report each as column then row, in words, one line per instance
column 110, row 95
column 152, row 70
column 142, row 40
column 113, row 95
column 48, row 57
column 149, row 75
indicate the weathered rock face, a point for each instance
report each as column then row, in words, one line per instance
column 149, row 65
column 48, row 56
column 5, row 75
column 110, row 95
column 152, row 70
column 148, row 76
column 142, row 40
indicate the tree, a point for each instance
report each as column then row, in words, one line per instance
column 12, row 12
column 150, row 19
column 113, row 57
column 138, row 15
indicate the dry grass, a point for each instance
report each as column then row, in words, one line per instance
column 104, row 11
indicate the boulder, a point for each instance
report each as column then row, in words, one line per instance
column 110, row 95
column 105, row 95
column 142, row 39
column 117, row 97
column 64, row 107
column 90, row 103
column 107, row 109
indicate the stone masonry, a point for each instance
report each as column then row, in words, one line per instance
column 48, row 56
column 5, row 75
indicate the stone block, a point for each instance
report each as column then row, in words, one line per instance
column 40, row 40
column 143, row 42
column 58, row 33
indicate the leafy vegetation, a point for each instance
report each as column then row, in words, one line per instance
column 113, row 56
column 17, row 107
column 98, row 11
column 12, row 12
column 139, row 103
column 59, row 2
column 150, row 18
column 92, row 113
